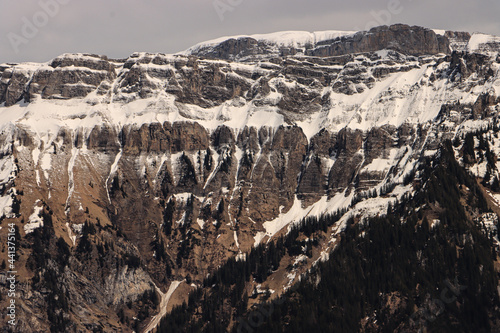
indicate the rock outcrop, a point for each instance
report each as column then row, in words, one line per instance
column 410, row 40
column 401, row 38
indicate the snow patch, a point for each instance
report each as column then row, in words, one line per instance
column 45, row 164
column 35, row 220
column 7, row 169
column 283, row 38
column 479, row 42
column 6, row 206
column 112, row 171
column 37, row 176
column 71, row 181
column 296, row 213
column 71, row 235
column 236, row 239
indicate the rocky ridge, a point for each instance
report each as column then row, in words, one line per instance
column 411, row 40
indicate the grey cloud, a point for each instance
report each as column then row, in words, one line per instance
column 119, row 27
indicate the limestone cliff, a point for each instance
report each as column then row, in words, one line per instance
column 127, row 176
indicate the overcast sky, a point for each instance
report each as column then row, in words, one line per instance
column 39, row 30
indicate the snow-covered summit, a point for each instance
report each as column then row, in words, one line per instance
column 412, row 40
column 483, row 43
column 295, row 39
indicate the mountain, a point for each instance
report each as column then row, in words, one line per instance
column 138, row 184
column 411, row 40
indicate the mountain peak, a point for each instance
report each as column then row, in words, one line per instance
column 406, row 39
column 281, row 38
column 412, row 40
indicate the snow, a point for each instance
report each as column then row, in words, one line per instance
column 472, row 126
column 378, row 164
column 300, row 259
column 70, row 234
column 184, row 197
column 7, row 173
column 201, row 223
column 495, row 197
column 78, row 227
column 258, row 238
column 71, row 181
column 394, row 100
column 381, row 164
column 489, row 225
column 7, row 169
column 291, row 277
column 439, row 31
column 112, row 171
column 479, row 169
column 478, row 42
column 45, row 164
column 236, row 239
column 36, row 156
column 241, row 256
column 296, row 213
column 323, row 257
column 79, row 56
column 215, row 169
column 182, row 220
column 6, row 206
column 435, row 223
column 258, row 289
column 37, row 176
column 367, row 208
column 430, row 152
column 35, row 220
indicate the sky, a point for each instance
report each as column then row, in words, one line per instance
column 39, row 30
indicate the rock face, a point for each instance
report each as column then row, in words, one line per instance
column 402, row 38
column 458, row 40
column 411, row 40
column 158, row 168
column 65, row 77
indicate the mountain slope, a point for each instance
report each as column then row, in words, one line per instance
column 401, row 272
column 125, row 176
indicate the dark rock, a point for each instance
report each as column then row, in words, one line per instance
column 348, row 160
column 399, row 37
column 103, row 138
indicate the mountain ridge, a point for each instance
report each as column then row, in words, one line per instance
column 329, row 43
column 158, row 169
